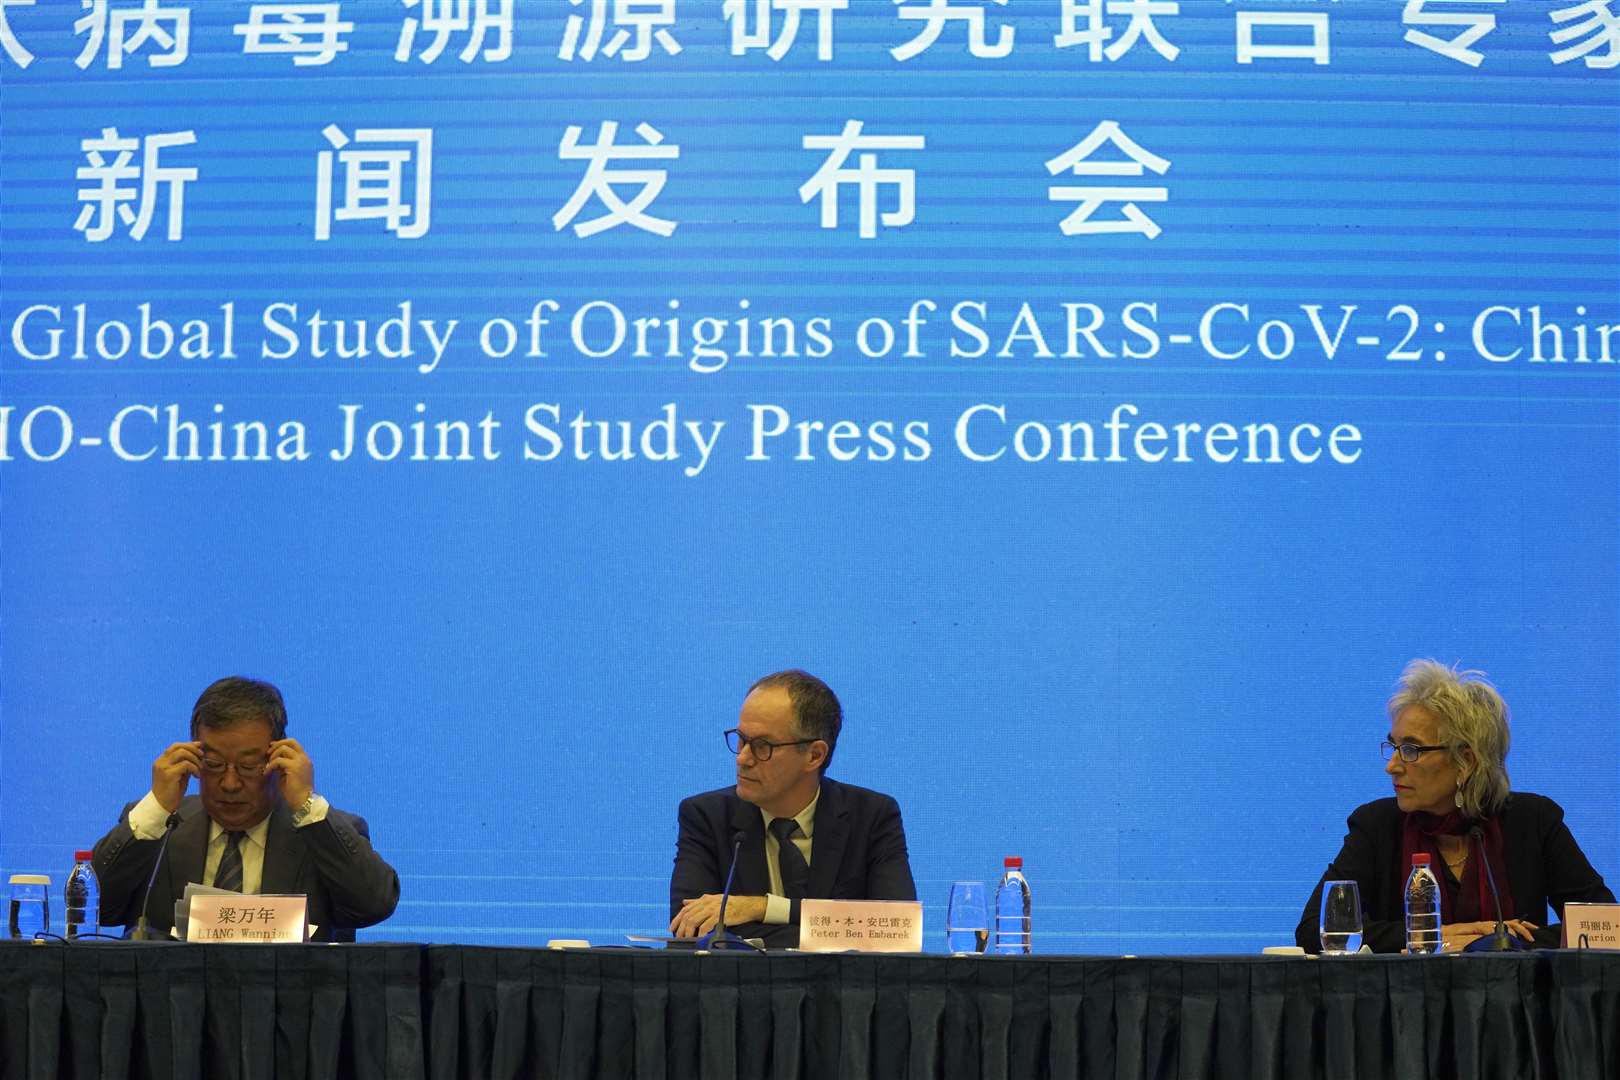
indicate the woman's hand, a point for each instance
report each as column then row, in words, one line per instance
column 1455, row 937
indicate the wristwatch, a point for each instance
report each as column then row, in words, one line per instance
column 303, row 811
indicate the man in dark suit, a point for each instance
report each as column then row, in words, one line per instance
column 803, row 836
column 255, row 826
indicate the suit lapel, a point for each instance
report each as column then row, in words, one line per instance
column 282, row 855
column 827, row 846
column 187, row 856
column 753, row 877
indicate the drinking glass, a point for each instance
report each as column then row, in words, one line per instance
column 967, row 919
column 30, row 905
column 1341, row 918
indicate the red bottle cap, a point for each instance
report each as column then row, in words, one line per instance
column 1013, row 862
column 1420, row 858
column 83, row 856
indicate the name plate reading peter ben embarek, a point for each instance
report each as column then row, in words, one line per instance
column 245, row 918
column 861, row 925
column 1600, row 923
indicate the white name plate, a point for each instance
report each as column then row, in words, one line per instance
column 237, row 917
column 861, row 925
column 1599, row 922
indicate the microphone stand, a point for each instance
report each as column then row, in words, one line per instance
column 143, row 931
column 720, row 937
column 1500, row 940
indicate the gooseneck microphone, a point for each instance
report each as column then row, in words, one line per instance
column 1500, row 940
column 142, row 931
column 720, row 937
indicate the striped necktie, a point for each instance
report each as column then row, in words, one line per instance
column 229, row 874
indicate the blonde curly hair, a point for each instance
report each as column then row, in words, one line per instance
column 1473, row 722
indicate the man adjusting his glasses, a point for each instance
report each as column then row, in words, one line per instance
column 256, row 824
column 803, row 835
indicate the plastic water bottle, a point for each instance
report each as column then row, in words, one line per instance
column 1422, row 908
column 83, row 896
column 1012, row 908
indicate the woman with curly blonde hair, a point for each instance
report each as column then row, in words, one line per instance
column 1446, row 755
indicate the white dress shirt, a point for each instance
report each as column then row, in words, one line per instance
column 147, row 820
column 778, row 908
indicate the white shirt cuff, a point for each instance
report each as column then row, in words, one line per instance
column 147, row 818
column 778, row 909
column 318, row 806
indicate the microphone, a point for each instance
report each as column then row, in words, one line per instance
column 1500, row 940
column 720, row 937
column 142, row 931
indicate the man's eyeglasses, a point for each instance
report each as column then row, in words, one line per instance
column 216, row 768
column 761, row 746
column 1409, row 751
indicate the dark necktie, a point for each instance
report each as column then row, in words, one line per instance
column 229, row 874
column 795, row 871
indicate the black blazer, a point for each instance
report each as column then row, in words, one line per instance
column 1544, row 865
column 858, row 852
column 331, row 862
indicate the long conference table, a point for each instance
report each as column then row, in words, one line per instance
column 119, row 1009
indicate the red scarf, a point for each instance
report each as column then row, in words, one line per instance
column 1470, row 899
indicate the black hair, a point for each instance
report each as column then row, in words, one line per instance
column 236, row 700
column 816, row 712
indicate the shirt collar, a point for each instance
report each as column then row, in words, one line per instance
column 806, row 817
column 256, row 834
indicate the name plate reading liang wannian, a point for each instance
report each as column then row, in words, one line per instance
column 241, row 918
column 860, row 925
column 1598, row 923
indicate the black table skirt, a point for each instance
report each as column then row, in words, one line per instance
column 187, row 1012
column 114, row 1010
column 509, row 1013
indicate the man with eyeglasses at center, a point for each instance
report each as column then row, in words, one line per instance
column 803, row 835
column 255, row 826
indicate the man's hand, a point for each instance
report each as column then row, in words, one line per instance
column 172, row 772
column 698, row 916
column 1455, row 937
column 294, row 771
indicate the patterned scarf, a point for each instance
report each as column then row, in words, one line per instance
column 1470, row 899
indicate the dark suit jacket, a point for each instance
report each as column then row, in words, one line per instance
column 1544, row 865
column 331, row 862
column 858, row 852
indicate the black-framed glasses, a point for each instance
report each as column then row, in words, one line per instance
column 215, row 768
column 1409, row 751
column 762, row 747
